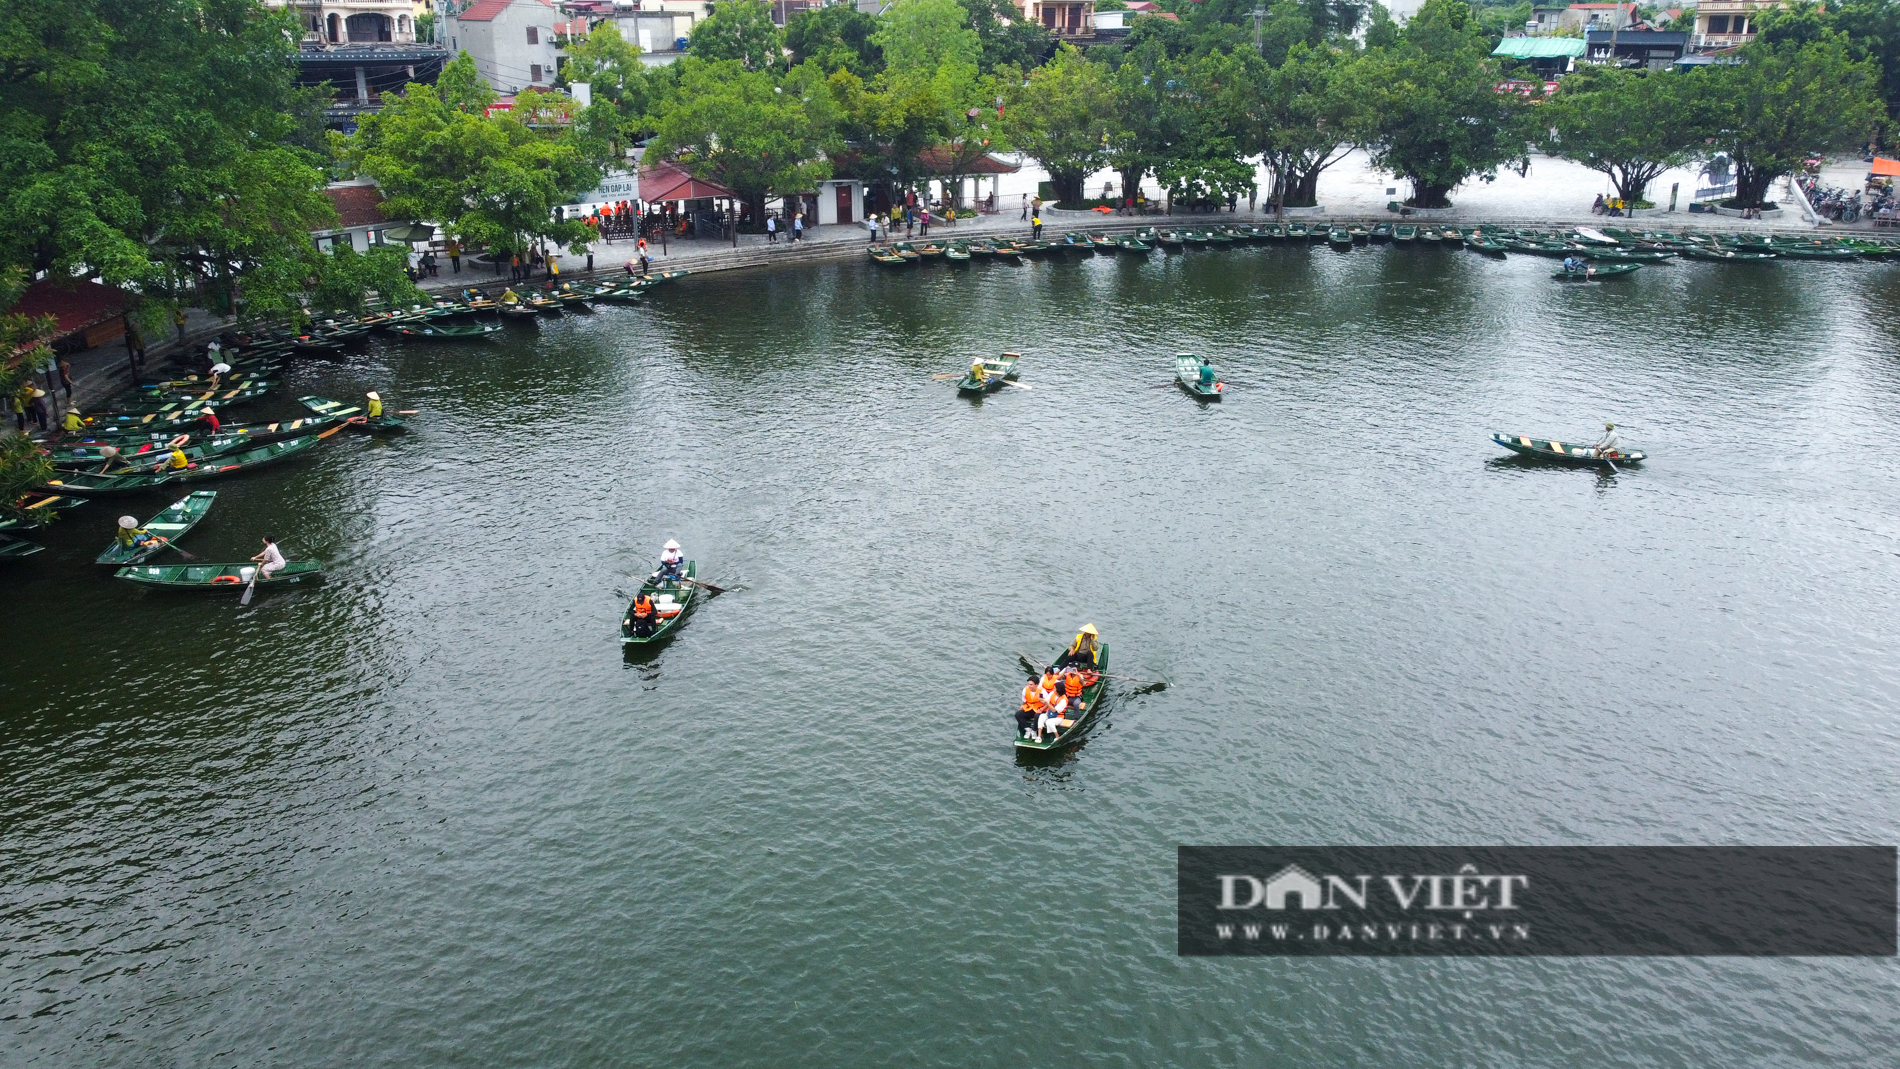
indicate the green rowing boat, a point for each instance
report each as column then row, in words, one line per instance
column 1595, row 272
column 338, row 412
column 995, row 371
column 448, row 331
column 34, row 513
column 214, row 577
column 96, row 484
column 1187, row 374
column 14, row 548
column 1094, row 685
column 1547, row 449
column 672, row 600
column 171, row 524
column 253, row 458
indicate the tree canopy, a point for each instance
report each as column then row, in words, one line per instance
column 745, row 130
column 1630, row 124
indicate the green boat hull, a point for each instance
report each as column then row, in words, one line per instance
column 1091, row 703
column 14, row 548
column 214, row 578
column 171, row 524
column 1187, row 375
column 1562, row 452
column 249, row 460
column 684, row 595
column 1004, row 367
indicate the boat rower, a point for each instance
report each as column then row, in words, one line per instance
column 1609, row 445
column 132, row 536
column 270, row 561
column 1085, row 652
column 509, row 296
column 374, row 410
column 642, row 617
column 1207, row 373
column 978, row 373
column 672, row 562
column 71, row 423
column 209, row 418
column 176, row 460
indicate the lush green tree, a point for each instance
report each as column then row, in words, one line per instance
column 1300, row 117
column 345, row 279
column 157, row 145
column 1872, row 29
column 617, row 79
column 487, row 180
column 745, row 130
column 741, row 31
column 1063, row 118
column 1783, row 103
column 1437, row 118
column 924, row 97
column 22, row 465
column 836, row 37
column 1010, row 42
column 1630, row 124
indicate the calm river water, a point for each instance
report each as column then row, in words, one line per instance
column 427, row 814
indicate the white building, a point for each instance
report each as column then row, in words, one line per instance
column 511, row 41
column 353, row 22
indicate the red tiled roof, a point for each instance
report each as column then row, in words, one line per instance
column 357, row 205
column 486, row 10
column 75, row 304
column 669, row 181
column 938, row 160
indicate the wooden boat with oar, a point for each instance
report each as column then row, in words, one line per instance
column 1187, row 375
column 1550, row 449
column 146, row 454
column 339, row 412
column 1101, row 242
column 104, row 484
column 1789, row 250
column 905, row 249
column 1008, row 252
column 34, row 510
column 169, row 525
column 1628, row 256
column 1171, row 239
column 956, row 253
column 251, row 459
column 658, row 277
column 1299, row 232
column 1094, row 686
column 518, row 311
column 479, row 301
column 570, row 296
column 216, row 578
column 1405, row 233
column 1382, row 232
column 995, row 372
column 1339, row 238
column 888, row 257
column 672, row 602
column 254, row 433
column 448, row 331
column 166, row 406
column 1596, row 273
column 1477, row 241
column 1133, row 244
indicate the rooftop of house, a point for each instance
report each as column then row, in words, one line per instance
column 357, row 205
column 486, row 10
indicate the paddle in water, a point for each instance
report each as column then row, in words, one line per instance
column 249, row 589
column 710, row 589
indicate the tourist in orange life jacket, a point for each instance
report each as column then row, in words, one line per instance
column 1051, row 721
column 1072, row 687
column 1032, row 706
column 643, row 616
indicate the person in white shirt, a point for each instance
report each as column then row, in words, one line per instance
column 1609, row 445
column 272, row 559
column 671, row 561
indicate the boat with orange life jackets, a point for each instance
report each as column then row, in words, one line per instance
column 1054, row 705
column 660, row 607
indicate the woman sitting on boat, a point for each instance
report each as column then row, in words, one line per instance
column 1051, row 721
column 131, row 535
column 1072, row 687
column 978, row 373
column 509, row 296
column 1085, row 652
column 671, row 561
column 1031, row 709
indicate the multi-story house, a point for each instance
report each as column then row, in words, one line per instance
column 512, row 42
column 363, row 49
column 1723, row 24
column 1062, row 18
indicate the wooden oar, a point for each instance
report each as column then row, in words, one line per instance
column 1018, row 385
column 1039, row 666
column 1611, row 463
column 711, row 589
column 169, row 544
column 250, row 587
column 408, row 411
column 958, row 375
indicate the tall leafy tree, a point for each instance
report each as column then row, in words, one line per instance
column 1063, row 118
column 487, row 180
column 741, row 31
column 621, row 88
column 1301, row 117
column 836, row 37
column 22, row 465
column 1632, row 125
column 156, row 145
column 1438, row 120
column 745, row 130
column 924, row 96
column 1784, row 102
column 1010, row 42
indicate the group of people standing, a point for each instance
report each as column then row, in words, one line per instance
column 795, row 229
column 29, row 402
